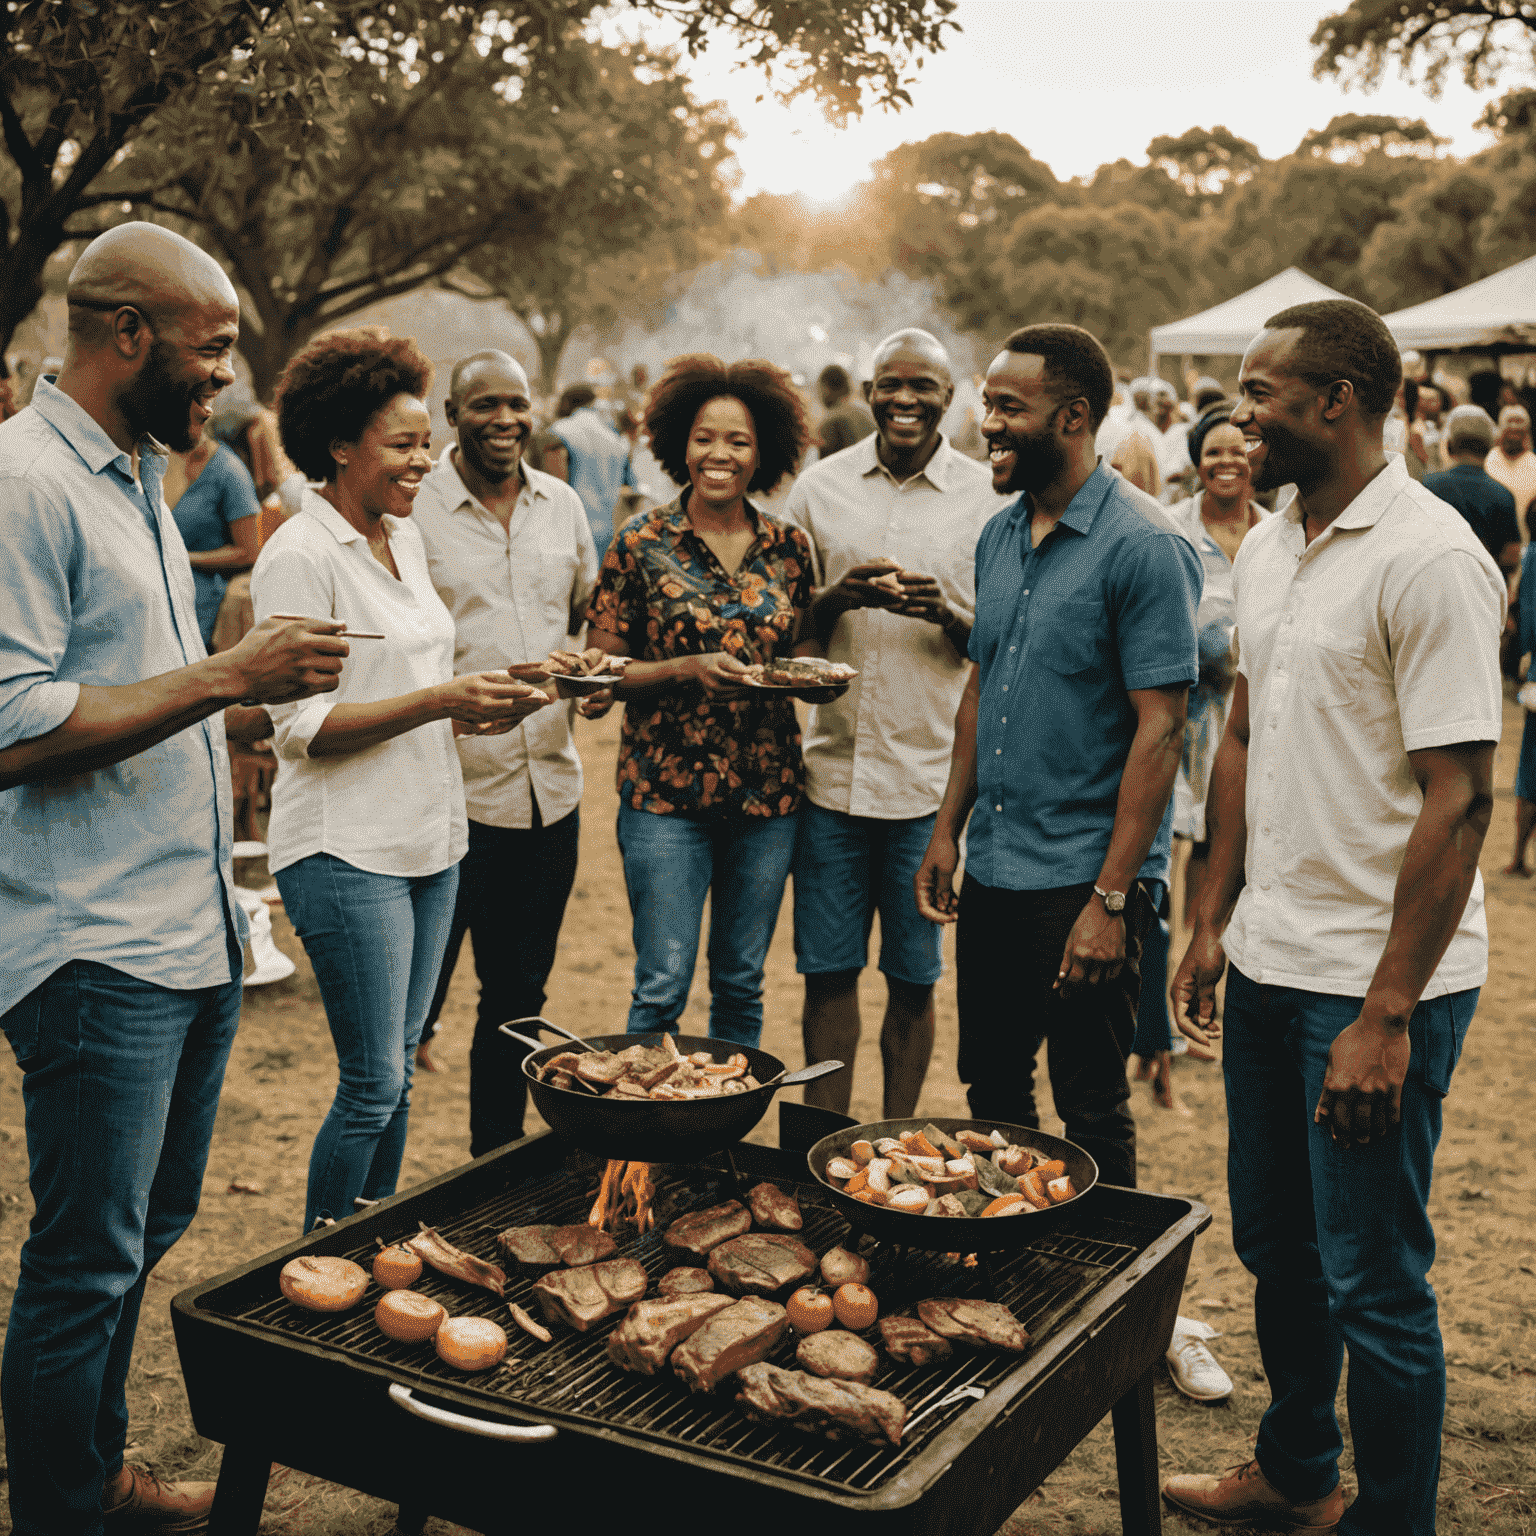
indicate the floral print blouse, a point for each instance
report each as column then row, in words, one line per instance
column 662, row 588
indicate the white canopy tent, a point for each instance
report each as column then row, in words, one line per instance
column 1226, row 330
column 1496, row 315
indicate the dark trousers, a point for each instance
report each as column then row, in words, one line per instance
column 1008, row 948
column 514, row 883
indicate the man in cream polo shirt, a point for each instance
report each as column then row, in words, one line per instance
column 1349, row 800
column 511, row 554
column 877, row 759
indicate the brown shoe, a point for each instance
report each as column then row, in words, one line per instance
column 1246, row 1497
column 138, row 1501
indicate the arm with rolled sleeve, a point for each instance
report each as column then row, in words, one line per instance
column 290, row 581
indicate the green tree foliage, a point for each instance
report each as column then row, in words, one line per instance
column 1426, row 38
column 82, row 80
column 1205, row 162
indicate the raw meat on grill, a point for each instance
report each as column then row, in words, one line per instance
column 771, row 1207
column 983, row 1324
column 699, row 1231
column 762, row 1263
column 582, row 1297
column 685, row 1280
column 912, row 1341
column 836, row 1352
column 653, row 1329
column 738, row 1335
column 548, row 1247
column 840, row 1410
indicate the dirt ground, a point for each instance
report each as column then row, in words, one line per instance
column 282, row 1076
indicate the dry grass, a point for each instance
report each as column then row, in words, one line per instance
column 283, row 1072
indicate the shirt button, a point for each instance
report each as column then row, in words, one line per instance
column 1005, row 687
column 1005, row 719
column 1026, row 591
column 1012, row 648
column 999, row 751
column 999, row 807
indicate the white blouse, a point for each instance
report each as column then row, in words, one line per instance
column 393, row 809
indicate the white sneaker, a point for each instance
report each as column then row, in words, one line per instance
column 270, row 963
column 1194, row 1368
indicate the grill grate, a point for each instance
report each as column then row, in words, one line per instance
column 573, row 1379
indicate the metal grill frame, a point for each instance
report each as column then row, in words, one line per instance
column 239, row 1359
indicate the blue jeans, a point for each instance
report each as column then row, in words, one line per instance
column 120, row 1080
column 1341, row 1245
column 376, row 943
column 670, row 864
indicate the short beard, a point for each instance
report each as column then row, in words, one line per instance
column 1038, row 460
column 485, row 471
column 155, row 405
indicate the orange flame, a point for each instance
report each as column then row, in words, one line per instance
column 625, row 1194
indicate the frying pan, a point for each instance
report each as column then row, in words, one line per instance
column 659, row 1130
column 951, row 1234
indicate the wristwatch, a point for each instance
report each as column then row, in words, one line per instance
column 1114, row 901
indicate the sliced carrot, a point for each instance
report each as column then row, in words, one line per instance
column 865, row 1196
column 1051, row 1170
column 1035, row 1185
column 1005, row 1205
column 922, row 1146
column 862, row 1152
column 1061, row 1189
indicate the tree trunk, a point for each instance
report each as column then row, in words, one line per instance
column 551, row 347
column 21, row 280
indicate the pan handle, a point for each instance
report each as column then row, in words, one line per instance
column 559, row 1029
column 528, row 1040
column 517, row 1434
column 807, row 1074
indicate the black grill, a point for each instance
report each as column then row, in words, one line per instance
column 1097, row 1292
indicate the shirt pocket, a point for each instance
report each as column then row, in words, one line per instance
column 1069, row 636
column 1335, row 666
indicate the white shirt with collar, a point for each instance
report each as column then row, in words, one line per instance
column 393, row 809
column 882, row 750
column 516, row 594
column 1378, row 639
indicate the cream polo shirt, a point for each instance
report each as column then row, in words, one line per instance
column 516, row 594
column 1379, row 639
column 393, row 809
column 882, row 750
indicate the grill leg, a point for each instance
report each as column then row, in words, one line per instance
column 1135, row 1422
column 241, row 1491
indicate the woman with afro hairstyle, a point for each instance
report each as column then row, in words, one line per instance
column 709, row 774
column 368, row 822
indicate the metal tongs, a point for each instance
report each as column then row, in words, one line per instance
column 949, row 1398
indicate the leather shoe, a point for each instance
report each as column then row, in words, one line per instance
column 136, row 1500
column 1244, row 1496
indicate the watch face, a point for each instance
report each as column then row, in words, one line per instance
column 1114, row 901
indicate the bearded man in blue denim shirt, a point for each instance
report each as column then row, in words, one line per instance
column 1067, row 741
column 120, row 937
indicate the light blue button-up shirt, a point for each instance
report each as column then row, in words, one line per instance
column 1064, row 632
column 128, row 866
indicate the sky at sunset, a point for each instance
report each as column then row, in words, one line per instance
column 1079, row 84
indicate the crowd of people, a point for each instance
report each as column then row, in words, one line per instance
column 1235, row 669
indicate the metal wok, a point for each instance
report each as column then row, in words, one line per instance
column 951, row 1234
column 660, row 1130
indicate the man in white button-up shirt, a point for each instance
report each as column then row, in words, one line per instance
column 877, row 759
column 1349, row 801
column 511, row 554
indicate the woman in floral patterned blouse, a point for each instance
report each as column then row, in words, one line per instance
column 710, row 775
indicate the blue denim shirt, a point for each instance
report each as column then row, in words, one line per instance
column 1105, row 605
column 599, row 469
column 128, row 866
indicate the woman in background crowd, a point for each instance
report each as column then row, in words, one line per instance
column 216, row 510
column 368, row 822
column 709, row 774
column 1216, row 519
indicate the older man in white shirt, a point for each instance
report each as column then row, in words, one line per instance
column 1349, row 801
column 877, row 759
column 512, row 556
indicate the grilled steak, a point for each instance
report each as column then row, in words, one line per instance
column 913, row 1342
column 771, row 1207
column 548, row 1247
column 685, row 1280
column 836, row 1352
column 738, row 1335
column 984, row 1324
column 600, row 1068
column 840, row 1410
column 699, row 1231
column 582, row 1297
column 761, row 1263
column 653, row 1329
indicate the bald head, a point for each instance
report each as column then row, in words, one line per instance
column 916, row 343
column 482, row 365
column 155, row 270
